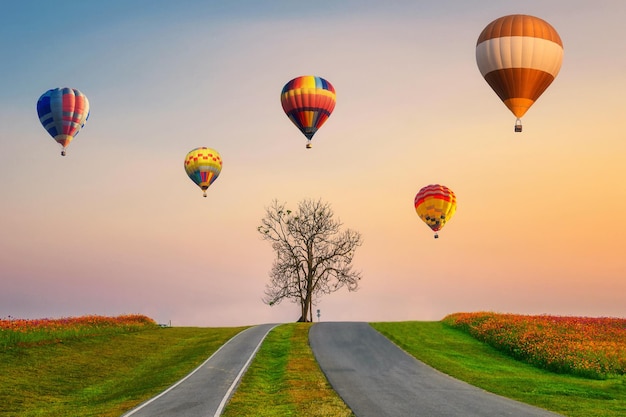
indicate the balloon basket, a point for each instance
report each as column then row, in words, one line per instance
column 518, row 125
column 309, row 146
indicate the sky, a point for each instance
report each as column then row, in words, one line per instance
column 116, row 226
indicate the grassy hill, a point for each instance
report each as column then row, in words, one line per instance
column 106, row 374
column 101, row 375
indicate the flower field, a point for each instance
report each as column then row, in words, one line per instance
column 24, row 333
column 584, row 346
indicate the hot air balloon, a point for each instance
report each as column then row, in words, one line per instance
column 203, row 165
column 308, row 101
column 435, row 204
column 63, row 112
column 519, row 56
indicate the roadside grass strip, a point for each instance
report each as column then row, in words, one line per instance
column 285, row 380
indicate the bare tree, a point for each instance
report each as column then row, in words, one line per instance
column 313, row 255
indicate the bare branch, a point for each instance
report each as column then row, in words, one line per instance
column 313, row 255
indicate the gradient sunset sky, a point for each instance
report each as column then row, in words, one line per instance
column 117, row 227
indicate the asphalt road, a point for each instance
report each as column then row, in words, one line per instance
column 204, row 392
column 375, row 378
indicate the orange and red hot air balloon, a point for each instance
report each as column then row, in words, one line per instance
column 435, row 204
column 308, row 101
column 519, row 56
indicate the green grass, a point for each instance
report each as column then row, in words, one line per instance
column 591, row 347
column 285, row 380
column 106, row 376
column 101, row 376
column 463, row 357
column 24, row 333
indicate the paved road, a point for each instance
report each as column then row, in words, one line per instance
column 204, row 392
column 375, row 378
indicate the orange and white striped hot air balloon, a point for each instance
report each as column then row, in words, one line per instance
column 519, row 56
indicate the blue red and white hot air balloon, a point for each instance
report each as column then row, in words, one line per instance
column 63, row 112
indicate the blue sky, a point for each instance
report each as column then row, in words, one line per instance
column 116, row 226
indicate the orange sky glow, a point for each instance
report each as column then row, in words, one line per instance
column 116, row 227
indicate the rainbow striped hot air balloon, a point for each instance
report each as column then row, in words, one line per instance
column 63, row 112
column 308, row 101
column 519, row 56
column 203, row 166
column 435, row 204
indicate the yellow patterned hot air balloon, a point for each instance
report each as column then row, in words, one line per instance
column 203, row 165
column 435, row 204
column 519, row 56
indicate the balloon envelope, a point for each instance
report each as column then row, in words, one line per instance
column 519, row 56
column 308, row 101
column 63, row 112
column 203, row 166
column 435, row 204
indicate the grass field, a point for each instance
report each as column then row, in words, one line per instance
column 593, row 347
column 20, row 333
column 106, row 374
column 460, row 355
column 102, row 374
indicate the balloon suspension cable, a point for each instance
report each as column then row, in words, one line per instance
column 518, row 125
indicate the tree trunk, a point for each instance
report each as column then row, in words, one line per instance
column 306, row 305
column 304, row 311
